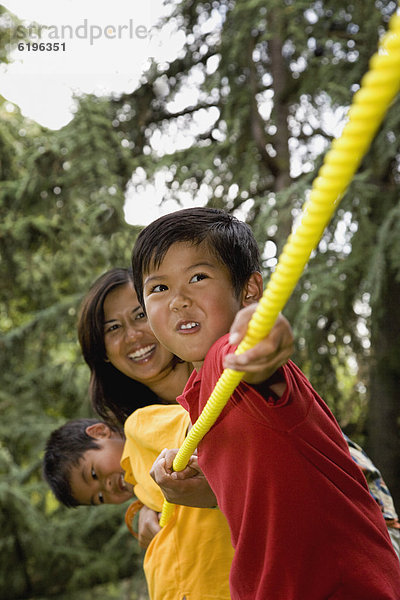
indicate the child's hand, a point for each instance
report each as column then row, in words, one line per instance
column 261, row 361
column 188, row 487
column 148, row 525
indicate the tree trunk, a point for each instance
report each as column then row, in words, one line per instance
column 384, row 405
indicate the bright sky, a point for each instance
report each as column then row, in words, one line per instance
column 103, row 48
column 107, row 48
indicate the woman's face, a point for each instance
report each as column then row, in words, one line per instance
column 130, row 344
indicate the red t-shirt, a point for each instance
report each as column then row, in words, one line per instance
column 303, row 523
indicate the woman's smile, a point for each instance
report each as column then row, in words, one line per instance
column 143, row 353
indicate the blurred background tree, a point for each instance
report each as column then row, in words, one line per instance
column 61, row 226
column 241, row 121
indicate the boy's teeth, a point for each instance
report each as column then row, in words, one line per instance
column 141, row 352
column 189, row 325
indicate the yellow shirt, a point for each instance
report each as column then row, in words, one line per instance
column 190, row 558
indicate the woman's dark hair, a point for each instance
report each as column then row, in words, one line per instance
column 113, row 395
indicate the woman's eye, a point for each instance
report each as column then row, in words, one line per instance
column 101, row 499
column 198, row 277
column 113, row 327
column 140, row 316
column 93, row 473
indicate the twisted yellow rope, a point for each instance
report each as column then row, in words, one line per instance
column 378, row 88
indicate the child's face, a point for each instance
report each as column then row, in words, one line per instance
column 99, row 478
column 129, row 342
column 190, row 301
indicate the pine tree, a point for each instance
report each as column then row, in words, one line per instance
column 61, row 200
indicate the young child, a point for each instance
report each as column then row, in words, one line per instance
column 88, row 462
column 303, row 523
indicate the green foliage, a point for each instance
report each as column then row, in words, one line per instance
column 9, row 24
column 61, row 214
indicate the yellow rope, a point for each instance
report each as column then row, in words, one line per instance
column 378, row 88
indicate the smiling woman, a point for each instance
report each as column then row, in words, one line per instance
column 130, row 345
column 129, row 368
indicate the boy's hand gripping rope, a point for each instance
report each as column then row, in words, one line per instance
column 370, row 103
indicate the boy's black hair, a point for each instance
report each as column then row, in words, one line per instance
column 64, row 449
column 231, row 240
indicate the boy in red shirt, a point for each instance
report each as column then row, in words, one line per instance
column 303, row 523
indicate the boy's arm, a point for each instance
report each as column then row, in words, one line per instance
column 188, row 487
column 264, row 359
column 148, row 525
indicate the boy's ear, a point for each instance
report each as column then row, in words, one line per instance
column 253, row 290
column 98, row 431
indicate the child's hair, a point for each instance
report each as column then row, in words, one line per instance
column 231, row 240
column 64, row 449
column 112, row 393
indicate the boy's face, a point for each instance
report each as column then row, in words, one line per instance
column 99, row 478
column 190, row 300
